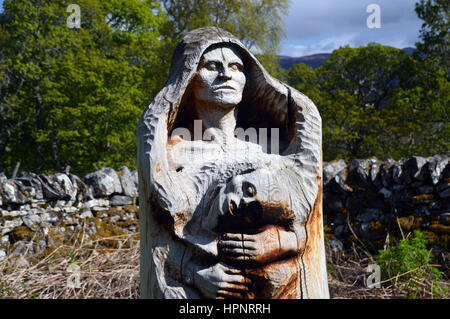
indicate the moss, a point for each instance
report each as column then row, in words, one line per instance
column 435, row 239
column 377, row 227
column 423, row 198
column 409, row 223
column 107, row 229
column 22, row 233
column 127, row 223
column 55, row 236
column 132, row 209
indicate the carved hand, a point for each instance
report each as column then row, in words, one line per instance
column 264, row 247
column 221, row 281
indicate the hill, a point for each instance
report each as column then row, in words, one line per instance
column 315, row 60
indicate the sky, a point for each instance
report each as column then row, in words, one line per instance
column 321, row 26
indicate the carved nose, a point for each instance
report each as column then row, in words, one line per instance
column 225, row 74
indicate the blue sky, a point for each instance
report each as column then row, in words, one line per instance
column 320, row 26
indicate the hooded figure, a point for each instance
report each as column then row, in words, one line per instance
column 210, row 211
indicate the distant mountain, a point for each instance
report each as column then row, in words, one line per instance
column 313, row 61
column 316, row 60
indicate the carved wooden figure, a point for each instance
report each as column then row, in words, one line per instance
column 230, row 180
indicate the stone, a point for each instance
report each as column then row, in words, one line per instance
column 369, row 214
column 14, row 213
column 23, row 248
column 86, row 214
column 32, row 180
column 425, row 189
column 50, row 217
column 385, row 192
column 436, row 166
column 385, row 175
column 397, row 173
column 338, row 183
column 421, row 211
column 445, row 193
column 9, row 225
column 97, row 202
column 398, row 187
column 334, row 205
column 11, row 194
column 201, row 198
column 104, row 182
column 445, row 219
column 412, row 169
column 335, row 245
column 129, row 186
column 84, row 193
column 358, row 172
column 2, row 255
column 70, row 190
column 4, row 239
column 442, row 186
column 119, row 200
column 70, row 210
column 32, row 221
column 339, row 231
column 374, row 174
column 331, row 169
column 51, row 187
column 365, row 227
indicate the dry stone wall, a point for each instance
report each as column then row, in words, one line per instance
column 41, row 211
column 368, row 199
column 364, row 200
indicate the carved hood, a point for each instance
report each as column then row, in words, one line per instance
column 266, row 103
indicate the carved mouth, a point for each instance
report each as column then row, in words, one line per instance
column 226, row 87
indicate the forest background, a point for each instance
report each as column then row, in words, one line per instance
column 72, row 97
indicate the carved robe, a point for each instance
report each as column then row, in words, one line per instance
column 179, row 222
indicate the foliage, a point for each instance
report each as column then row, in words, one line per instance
column 435, row 45
column 74, row 96
column 408, row 266
column 257, row 23
column 377, row 101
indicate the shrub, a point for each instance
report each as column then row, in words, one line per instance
column 408, row 266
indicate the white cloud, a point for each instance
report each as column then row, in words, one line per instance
column 324, row 25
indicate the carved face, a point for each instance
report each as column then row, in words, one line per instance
column 220, row 79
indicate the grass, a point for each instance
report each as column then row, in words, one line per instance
column 104, row 272
column 112, row 271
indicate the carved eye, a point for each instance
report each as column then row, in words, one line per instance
column 211, row 66
column 249, row 190
column 236, row 67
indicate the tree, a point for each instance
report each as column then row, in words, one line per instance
column 74, row 96
column 377, row 101
column 434, row 32
column 258, row 23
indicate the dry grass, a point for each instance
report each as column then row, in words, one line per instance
column 114, row 272
column 104, row 272
column 347, row 277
